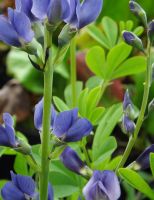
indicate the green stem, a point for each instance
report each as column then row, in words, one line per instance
column 140, row 120
column 73, row 71
column 45, row 139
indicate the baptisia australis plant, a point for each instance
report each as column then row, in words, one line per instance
column 19, row 30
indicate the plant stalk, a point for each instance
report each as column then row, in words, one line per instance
column 73, row 71
column 140, row 120
column 45, row 139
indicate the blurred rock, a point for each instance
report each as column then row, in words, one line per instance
column 15, row 100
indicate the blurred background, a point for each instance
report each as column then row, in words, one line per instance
column 21, row 86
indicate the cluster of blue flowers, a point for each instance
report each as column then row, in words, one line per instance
column 17, row 28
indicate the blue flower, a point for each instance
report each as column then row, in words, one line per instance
column 82, row 14
column 38, row 115
column 26, row 7
column 102, row 185
column 127, row 101
column 40, row 8
column 128, row 125
column 7, row 133
column 69, row 127
column 20, row 188
column 58, row 11
column 16, row 30
column 143, row 161
column 72, row 162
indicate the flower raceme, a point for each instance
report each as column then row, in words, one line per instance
column 16, row 29
column 103, row 185
column 22, row 188
column 67, row 126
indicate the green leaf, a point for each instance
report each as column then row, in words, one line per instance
column 111, row 30
column 20, row 165
column 93, row 82
column 64, row 182
column 19, row 66
column 134, row 65
column 136, row 181
column 116, row 56
column 152, row 163
column 96, row 115
column 61, row 106
column 95, row 60
column 82, row 102
column 68, row 92
column 97, row 35
column 112, row 165
column 107, row 124
column 104, row 151
column 92, row 99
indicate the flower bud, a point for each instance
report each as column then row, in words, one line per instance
column 151, row 106
column 132, row 40
column 138, row 11
column 72, row 161
column 23, row 147
column 151, row 31
column 66, row 35
column 128, row 126
column 143, row 161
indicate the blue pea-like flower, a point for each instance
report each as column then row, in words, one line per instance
column 102, row 185
column 16, row 29
column 58, row 11
column 128, row 125
column 82, row 14
column 26, row 7
column 69, row 127
column 38, row 115
column 72, row 162
column 19, row 188
column 7, row 133
column 143, row 161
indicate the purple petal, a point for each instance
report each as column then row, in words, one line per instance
column 7, row 118
column 4, row 140
column 50, row 192
column 25, row 183
column 7, row 33
column 64, row 121
column 81, row 128
column 72, row 162
column 40, row 8
column 144, row 159
column 38, row 115
column 58, row 10
column 73, row 17
column 89, row 11
column 25, row 6
column 128, row 125
column 127, row 101
column 11, row 192
column 21, row 24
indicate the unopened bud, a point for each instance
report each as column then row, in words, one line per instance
column 128, row 126
column 132, row 40
column 138, row 11
column 151, row 31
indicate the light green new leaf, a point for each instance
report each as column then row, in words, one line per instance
column 152, row 163
column 97, row 35
column 95, row 60
column 104, row 151
column 134, row 65
column 96, row 115
column 116, row 56
column 82, row 102
column 106, row 125
column 111, row 30
column 136, row 181
column 61, row 106
column 20, row 165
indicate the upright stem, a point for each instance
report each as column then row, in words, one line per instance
column 45, row 139
column 140, row 120
column 73, row 71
